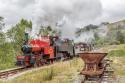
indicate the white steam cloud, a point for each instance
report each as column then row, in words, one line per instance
column 68, row 14
column 88, row 36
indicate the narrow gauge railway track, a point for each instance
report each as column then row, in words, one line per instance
column 11, row 72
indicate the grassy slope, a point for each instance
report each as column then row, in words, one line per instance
column 66, row 72
column 63, row 72
column 117, row 54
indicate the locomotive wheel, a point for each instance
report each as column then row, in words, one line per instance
column 37, row 63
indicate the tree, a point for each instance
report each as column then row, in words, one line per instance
column 48, row 31
column 17, row 33
column 2, row 35
column 87, row 28
column 1, row 23
column 115, row 35
column 96, row 36
column 120, row 37
column 6, row 50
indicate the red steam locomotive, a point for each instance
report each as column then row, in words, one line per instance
column 44, row 50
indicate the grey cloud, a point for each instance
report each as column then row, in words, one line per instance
column 14, row 10
column 76, row 11
column 117, row 12
column 113, row 10
column 24, row 3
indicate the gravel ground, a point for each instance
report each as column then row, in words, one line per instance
column 79, row 78
column 120, row 79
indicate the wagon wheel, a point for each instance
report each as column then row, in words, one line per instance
column 100, row 79
column 35, row 64
column 40, row 61
column 85, row 78
column 66, row 56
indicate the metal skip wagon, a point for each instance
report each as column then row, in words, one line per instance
column 94, row 67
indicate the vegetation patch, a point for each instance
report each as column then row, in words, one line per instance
column 118, row 53
column 62, row 72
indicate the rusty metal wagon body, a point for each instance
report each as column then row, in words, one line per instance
column 93, row 67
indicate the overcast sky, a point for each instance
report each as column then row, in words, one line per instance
column 75, row 12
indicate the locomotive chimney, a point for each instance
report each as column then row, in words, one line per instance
column 27, row 31
column 26, row 37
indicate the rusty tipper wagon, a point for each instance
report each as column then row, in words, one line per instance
column 94, row 67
